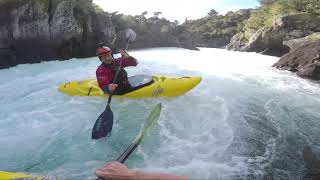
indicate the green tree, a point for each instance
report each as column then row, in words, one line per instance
column 213, row 12
column 144, row 13
column 264, row 2
column 156, row 14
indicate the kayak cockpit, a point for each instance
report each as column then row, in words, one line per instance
column 139, row 81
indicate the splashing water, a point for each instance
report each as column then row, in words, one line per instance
column 245, row 120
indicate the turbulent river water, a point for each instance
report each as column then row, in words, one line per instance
column 245, row 120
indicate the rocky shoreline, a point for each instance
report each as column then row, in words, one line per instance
column 296, row 38
column 34, row 30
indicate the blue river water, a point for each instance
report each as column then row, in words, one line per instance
column 245, row 120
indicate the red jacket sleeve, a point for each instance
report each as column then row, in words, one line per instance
column 104, row 77
column 129, row 61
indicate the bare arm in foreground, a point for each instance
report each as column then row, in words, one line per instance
column 116, row 170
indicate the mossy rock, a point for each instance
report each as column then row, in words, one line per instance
column 314, row 36
column 10, row 4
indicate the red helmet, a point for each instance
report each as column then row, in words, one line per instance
column 102, row 50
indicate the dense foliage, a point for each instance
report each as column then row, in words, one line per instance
column 202, row 31
column 216, row 25
column 159, row 31
column 263, row 16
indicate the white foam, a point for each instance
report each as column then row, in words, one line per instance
column 194, row 136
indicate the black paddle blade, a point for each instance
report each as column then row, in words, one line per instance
column 103, row 125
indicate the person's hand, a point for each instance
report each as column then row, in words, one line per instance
column 112, row 87
column 124, row 53
column 115, row 170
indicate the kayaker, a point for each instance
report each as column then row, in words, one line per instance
column 115, row 170
column 105, row 73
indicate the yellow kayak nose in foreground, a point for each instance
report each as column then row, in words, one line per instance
column 17, row 176
column 143, row 86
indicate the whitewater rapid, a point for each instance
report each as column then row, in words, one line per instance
column 244, row 120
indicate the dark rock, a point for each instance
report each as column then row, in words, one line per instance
column 310, row 71
column 301, row 21
column 295, row 43
column 305, row 60
column 312, row 164
column 238, row 42
column 266, row 39
column 51, row 30
column 63, row 29
column 270, row 40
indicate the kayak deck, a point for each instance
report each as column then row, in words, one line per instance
column 17, row 176
column 143, row 86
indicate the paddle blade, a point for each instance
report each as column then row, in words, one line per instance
column 149, row 123
column 103, row 125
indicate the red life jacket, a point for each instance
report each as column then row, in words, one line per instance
column 105, row 74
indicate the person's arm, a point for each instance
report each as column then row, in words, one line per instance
column 104, row 80
column 115, row 170
column 127, row 60
column 140, row 175
column 109, row 88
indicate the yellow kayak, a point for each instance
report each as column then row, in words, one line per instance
column 143, row 86
column 17, row 176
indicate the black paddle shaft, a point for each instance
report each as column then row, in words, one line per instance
column 118, row 70
column 114, row 81
column 124, row 156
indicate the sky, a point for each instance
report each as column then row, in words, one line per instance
column 174, row 9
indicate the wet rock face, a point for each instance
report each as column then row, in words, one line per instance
column 33, row 31
column 270, row 40
column 302, row 21
column 296, row 43
column 64, row 23
column 305, row 60
column 312, row 164
column 30, row 21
